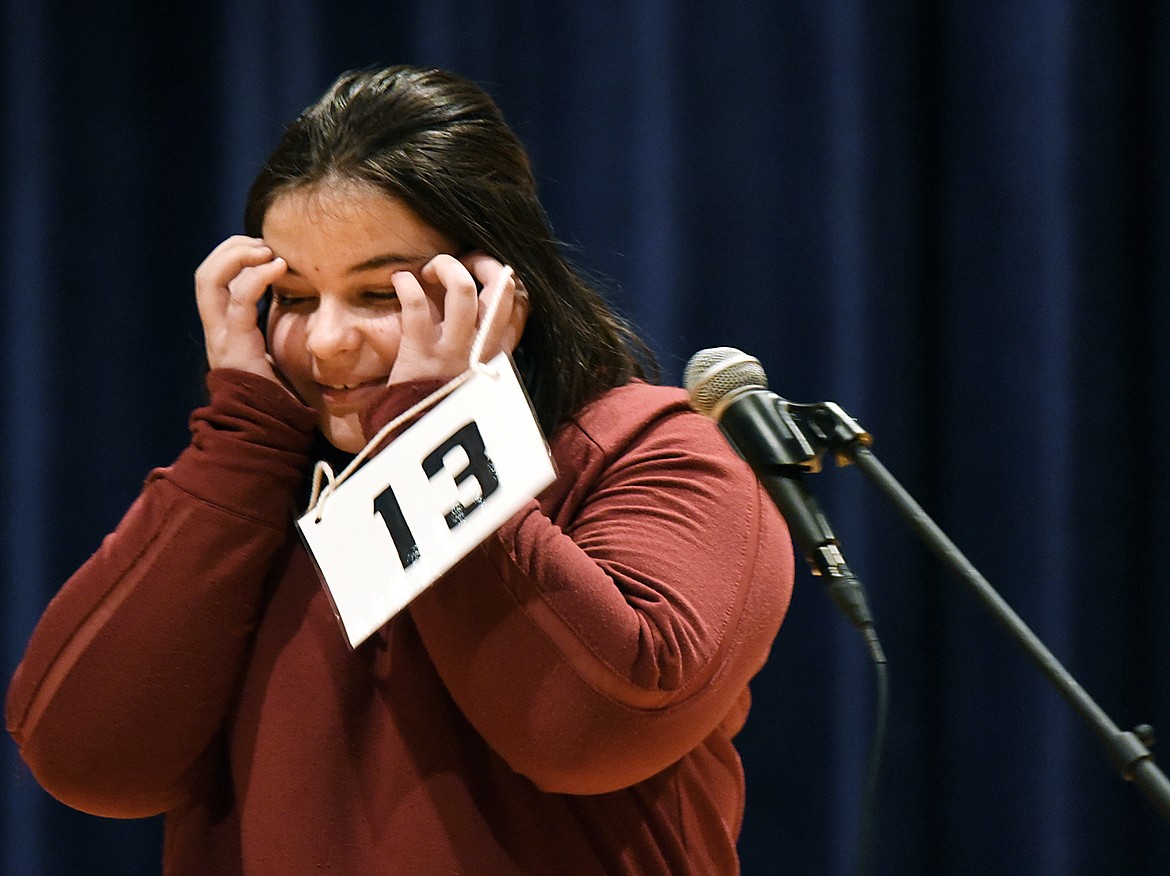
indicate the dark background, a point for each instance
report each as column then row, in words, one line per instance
column 949, row 217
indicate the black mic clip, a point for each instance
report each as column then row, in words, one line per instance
column 805, row 431
column 764, row 424
column 831, row 429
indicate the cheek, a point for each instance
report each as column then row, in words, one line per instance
column 383, row 334
column 286, row 342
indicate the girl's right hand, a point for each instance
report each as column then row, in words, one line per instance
column 228, row 285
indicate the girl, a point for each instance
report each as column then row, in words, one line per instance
column 563, row 700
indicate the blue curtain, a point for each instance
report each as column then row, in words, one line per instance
column 951, row 218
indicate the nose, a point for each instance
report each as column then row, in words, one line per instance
column 331, row 331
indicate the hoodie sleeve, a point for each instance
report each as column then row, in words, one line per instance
column 130, row 671
column 607, row 629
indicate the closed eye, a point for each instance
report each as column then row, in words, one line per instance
column 292, row 301
column 379, row 296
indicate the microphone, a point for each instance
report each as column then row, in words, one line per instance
column 731, row 388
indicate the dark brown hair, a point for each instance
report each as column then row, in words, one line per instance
column 438, row 142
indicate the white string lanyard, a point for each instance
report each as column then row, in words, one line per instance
column 323, row 471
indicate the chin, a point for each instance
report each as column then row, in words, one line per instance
column 343, row 435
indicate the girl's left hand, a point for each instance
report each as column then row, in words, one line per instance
column 439, row 328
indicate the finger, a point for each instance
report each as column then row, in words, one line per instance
column 237, row 242
column 487, row 271
column 460, row 297
column 221, row 266
column 420, row 315
column 511, row 313
column 247, row 288
column 228, row 285
column 483, row 267
column 512, row 329
column 505, row 303
column 225, row 261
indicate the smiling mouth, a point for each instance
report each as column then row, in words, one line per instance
column 342, row 393
column 341, row 386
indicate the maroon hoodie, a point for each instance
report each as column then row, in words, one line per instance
column 562, row 701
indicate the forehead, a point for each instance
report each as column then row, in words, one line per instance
column 347, row 220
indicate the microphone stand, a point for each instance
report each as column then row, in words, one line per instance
column 837, row 432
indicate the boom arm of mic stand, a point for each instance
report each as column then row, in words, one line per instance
column 836, row 431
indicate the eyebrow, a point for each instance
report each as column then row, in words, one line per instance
column 378, row 261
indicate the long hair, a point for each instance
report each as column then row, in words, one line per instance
column 439, row 143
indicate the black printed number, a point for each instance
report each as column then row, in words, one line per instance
column 386, row 505
column 479, row 466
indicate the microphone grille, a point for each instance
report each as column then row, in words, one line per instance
column 714, row 373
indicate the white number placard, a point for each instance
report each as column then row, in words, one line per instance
column 445, row 484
